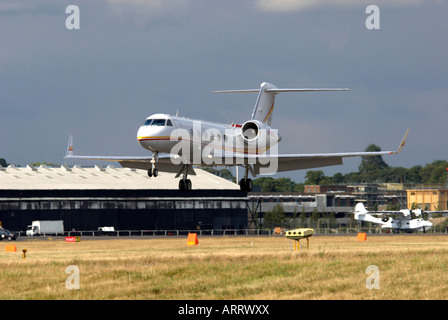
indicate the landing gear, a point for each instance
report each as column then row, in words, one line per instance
column 184, row 185
column 246, row 184
column 153, row 172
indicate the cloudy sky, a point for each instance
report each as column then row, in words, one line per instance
column 133, row 58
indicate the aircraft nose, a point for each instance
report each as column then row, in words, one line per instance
column 149, row 132
column 142, row 131
column 153, row 138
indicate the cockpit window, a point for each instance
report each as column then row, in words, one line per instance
column 169, row 123
column 157, row 122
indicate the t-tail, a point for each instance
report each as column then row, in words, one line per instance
column 264, row 105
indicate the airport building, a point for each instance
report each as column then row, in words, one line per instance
column 428, row 199
column 127, row 199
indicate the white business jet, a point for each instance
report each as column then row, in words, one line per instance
column 179, row 144
column 405, row 220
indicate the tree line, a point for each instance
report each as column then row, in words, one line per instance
column 371, row 170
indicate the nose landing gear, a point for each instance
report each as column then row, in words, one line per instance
column 153, row 172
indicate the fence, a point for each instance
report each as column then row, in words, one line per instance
column 230, row 232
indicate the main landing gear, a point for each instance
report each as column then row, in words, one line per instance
column 246, row 184
column 184, row 183
column 153, row 172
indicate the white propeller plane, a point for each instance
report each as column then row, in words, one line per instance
column 179, row 144
column 406, row 220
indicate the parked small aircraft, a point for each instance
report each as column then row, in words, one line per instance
column 179, row 144
column 405, row 220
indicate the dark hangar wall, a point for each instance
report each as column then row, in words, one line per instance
column 84, row 210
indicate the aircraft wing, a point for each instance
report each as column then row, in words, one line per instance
column 269, row 164
column 259, row 164
column 165, row 162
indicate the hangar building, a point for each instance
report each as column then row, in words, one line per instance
column 88, row 198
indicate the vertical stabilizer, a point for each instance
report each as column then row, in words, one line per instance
column 362, row 214
column 265, row 103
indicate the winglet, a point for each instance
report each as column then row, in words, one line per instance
column 70, row 151
column 403, row 142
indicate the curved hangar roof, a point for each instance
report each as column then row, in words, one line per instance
column 76, row 178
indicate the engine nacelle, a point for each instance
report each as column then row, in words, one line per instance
column 258, row 133
column 251, row 130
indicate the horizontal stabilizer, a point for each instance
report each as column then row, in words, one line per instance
column 264, row 105
column 277, row 90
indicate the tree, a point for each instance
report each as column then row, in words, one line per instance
column 3, row 163
column 435, row 172
column 269, row 184
column 314, row 177
column 371, row 166
column 415, row 174
column 274, row 218
column 284, row 185
column 314, row 219
column 266, row 184
column 303, row 219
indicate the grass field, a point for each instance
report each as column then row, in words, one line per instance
column 410, row 267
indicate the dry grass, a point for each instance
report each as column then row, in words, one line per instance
column 411, row 267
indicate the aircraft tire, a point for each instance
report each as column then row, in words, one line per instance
column 246, row 185
column 243, row 184
column 185, row 185
column 249, row 185
column 181, row 185
column 149, row 172
column 155, row 172
column 188, row 185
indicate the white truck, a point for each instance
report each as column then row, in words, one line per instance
column 48, row 227
column 106, row 230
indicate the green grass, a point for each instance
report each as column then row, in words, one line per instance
column 411, row 267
